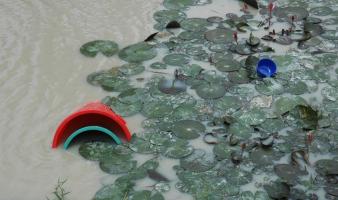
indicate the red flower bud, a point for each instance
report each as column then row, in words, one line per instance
column 310, row 137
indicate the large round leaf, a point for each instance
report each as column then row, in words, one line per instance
column 138, row 52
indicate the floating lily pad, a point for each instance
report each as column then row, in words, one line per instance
column 330, row 93
column 273, row 125
column 131, row 69
column 106, row 47
column 194, row 50
column 288, row 173
column 138, row 52
column 215, row 19
column 139, row 195
column 299, row 13
column 178, row 4
column 313, row 29
column 188, row 129
column 284, row 40
column 191, row 35
column 222, row 151
column 261, row 195
column 166, row 16
column 305, row 116
column 194, row 24
column 131, row 95
column 112, row 166
column 162, row 187
column 125, row 109
column 96, row 151
column 95, row 78
column 142, row 171
column 327, row 167
column 228, row 65
column 212, row 77
column 219, row 35
column 263, row 158
column 332, row 190
column 241, row 130
column 297, row 88
column 247, row 195
column 312, row 42
column 237, row 176
column 239, row 77
column 157, row 196
column 253, row 117
column 243, row 49
column 176, row 59
column 113, row 192
column 321, row 11
column 285, row 104
column 331, row 21
column 158, row 65
column 269, row 87
column 277, row 190
column 210, row 91
column 185, row 112
column 179, row 150
column 115, row 83
column 330, row 35
column 140, row 145
column 156, row 109
column 229, row 103
column 220, row 47
column 198, row 161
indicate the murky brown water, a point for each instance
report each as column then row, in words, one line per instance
column 43, row 78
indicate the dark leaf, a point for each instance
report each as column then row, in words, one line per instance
column 267, row 38
column 151, row 37
column 252, row 3
column 156, row 176
column 173, row 24
column 240, row 25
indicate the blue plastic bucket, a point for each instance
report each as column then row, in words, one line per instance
column 266, row 68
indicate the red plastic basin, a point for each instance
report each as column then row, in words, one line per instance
column 92, row 114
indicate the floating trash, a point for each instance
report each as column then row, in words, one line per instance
column 173, row 86
column 266, row 68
